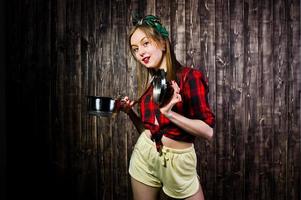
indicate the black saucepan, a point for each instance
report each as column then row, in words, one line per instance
column 102, row 106
column 106, row 106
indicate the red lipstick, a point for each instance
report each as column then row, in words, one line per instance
column 145, row 60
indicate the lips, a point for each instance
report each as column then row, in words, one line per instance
column 145, row 60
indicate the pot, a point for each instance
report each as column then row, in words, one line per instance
column 102, row 106
column 106, row 106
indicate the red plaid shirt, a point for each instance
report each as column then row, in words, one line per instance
column 194, row 105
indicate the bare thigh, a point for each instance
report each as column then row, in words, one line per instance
column 197, row 196
column 144, row 192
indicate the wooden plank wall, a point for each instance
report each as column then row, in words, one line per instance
column 61, row 51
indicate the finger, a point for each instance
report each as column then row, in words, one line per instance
column 126, row 98
column 132, row 103
column 175, row 87
column 178, row 97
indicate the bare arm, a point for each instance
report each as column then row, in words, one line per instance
column 193, row 126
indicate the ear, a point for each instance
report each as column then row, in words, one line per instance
column 163, row 45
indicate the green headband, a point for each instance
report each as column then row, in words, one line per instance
column 152, row 21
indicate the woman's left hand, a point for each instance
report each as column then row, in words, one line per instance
column 175, row 98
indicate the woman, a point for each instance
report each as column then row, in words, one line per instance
column 164, row 155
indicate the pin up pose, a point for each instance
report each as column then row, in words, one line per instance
column 164, row 156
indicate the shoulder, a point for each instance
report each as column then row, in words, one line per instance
column 196, row 78
column 192, row 73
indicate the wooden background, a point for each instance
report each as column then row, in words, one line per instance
column 62, row 50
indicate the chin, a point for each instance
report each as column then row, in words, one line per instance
column 150, row 67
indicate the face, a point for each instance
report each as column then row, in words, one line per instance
column 147, row 51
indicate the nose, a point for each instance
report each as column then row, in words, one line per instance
column 141, row 51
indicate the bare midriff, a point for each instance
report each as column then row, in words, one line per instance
column 168, row 142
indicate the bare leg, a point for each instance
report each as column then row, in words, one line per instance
column 144, row 192
column 197, row 196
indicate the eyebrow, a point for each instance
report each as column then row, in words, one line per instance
column 139, row 41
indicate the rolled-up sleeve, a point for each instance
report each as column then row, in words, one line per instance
column 196, row 94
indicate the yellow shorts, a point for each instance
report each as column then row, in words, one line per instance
column 174, row 169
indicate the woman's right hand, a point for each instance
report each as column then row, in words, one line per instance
column 126, row 104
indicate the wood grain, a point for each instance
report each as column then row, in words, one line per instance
column 61, row 51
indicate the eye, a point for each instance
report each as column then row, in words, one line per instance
column 146, row 43
column 135, row 50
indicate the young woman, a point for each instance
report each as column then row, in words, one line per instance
column 164, row 155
